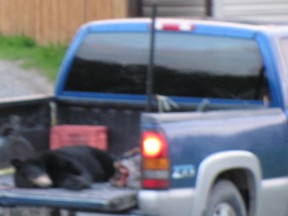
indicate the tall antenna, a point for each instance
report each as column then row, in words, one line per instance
column 150, row 70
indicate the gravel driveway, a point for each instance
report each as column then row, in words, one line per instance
column 18, row 82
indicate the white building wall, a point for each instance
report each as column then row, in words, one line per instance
column 258, row 10
column 255, row 10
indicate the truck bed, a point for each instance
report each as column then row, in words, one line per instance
column 102, row 197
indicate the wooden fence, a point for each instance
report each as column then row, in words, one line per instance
column 55, row 21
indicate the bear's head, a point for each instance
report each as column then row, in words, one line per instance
column 30, row 174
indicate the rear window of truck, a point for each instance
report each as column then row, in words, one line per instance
column 186, row 65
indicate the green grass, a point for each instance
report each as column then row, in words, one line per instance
column 46, row 59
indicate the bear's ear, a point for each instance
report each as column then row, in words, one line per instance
column 15, row 162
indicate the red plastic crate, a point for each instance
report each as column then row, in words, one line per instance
column 69, row 135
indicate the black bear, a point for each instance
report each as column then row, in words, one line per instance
column 75, row 167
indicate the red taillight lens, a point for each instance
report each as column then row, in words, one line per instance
column 155, row 161
column 153, row 145
column 171, row 27
column 153, row 184
column 182, row 26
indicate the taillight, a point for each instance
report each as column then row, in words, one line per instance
column 184, row 26
column 155, row 161
column 153, row 145
column 171, row 27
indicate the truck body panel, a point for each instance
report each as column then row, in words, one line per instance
column 225, row 131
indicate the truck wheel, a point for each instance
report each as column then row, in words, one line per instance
column 225, row 200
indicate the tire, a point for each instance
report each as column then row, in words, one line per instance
column 225, row 200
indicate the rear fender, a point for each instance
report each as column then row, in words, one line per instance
column 218, row 163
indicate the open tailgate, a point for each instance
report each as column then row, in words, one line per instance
column 100, row 198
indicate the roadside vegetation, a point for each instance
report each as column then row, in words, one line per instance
column 46, row 59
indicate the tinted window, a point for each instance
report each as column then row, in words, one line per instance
column 185, row 65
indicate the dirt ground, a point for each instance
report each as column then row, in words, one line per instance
column 17, row 82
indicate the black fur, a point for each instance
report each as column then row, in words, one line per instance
column 74, row 167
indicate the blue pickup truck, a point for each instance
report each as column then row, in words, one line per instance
column 214, row 141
